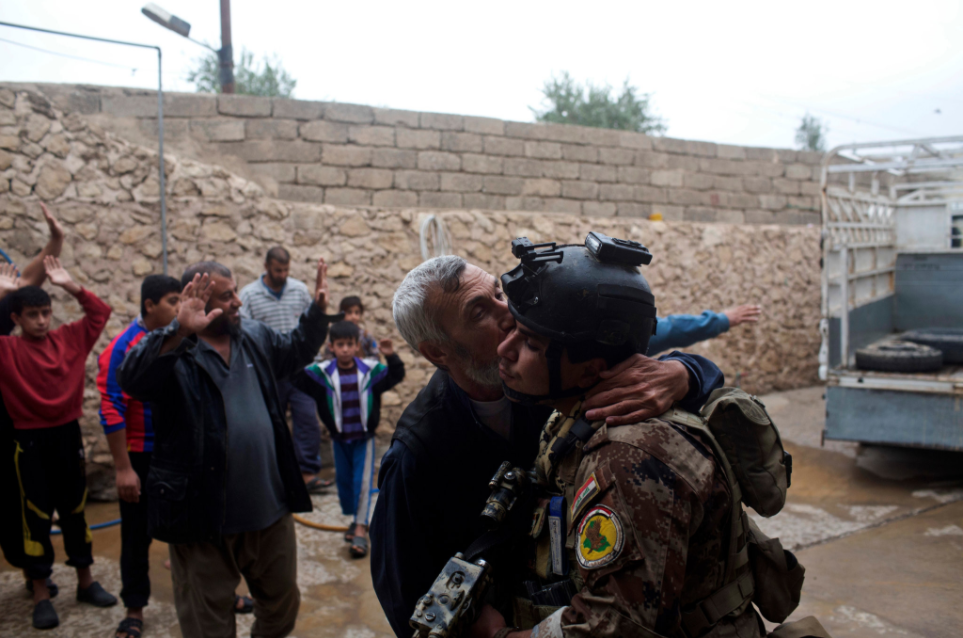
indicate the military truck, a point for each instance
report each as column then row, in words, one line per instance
column 892, row 293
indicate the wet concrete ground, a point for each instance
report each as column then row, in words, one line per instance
column 879, row 531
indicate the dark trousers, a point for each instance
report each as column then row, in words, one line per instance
column 134, row 540
column 52, row 476
column 305, row 429
column 11, row 517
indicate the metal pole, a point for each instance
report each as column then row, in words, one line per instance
column 844, row 311
column 226, row 54
column 160, row 142
column 160, row 112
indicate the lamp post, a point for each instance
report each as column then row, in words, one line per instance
column 225, row 55
column 160, row 115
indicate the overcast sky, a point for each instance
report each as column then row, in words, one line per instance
column 731, row 72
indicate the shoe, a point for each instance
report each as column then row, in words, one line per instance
column 51, row 587
column 96, row 595
column 44, row 615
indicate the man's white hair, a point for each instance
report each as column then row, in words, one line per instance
column 412, row 312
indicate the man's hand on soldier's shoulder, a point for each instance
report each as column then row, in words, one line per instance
column 638, row 388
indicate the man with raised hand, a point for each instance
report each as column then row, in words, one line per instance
column 224, row 479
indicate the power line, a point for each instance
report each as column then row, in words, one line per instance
column 67, row 55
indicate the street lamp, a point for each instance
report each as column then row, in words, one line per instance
column 225, row 54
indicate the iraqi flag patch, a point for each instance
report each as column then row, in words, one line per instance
column 600, row 538
column 584, row 495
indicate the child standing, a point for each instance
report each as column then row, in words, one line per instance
column 43, row 387
column 348, row 392
column 353, row 310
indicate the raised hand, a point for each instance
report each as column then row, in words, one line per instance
column 386, row 346
column 193, row 316
column 321, row 285
column 746, row 313
column 56, row 230
column 58, row 275
column 9, row 279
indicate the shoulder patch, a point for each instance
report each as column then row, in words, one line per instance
column 584, row 495
column 600, row 538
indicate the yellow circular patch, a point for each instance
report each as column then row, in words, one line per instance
column 600, row 538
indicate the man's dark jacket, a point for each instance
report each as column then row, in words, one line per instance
column 186, row 486
column 434, row 482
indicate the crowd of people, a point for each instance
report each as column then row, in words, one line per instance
column 195, row 396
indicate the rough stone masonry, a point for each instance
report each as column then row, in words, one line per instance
column 355, row 155
column 105, row 190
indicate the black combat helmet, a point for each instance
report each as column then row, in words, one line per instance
column 589, row 299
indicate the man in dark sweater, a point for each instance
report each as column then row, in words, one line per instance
column 224, row 479
column 43, row 385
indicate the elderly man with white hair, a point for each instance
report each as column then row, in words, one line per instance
column 458, row 430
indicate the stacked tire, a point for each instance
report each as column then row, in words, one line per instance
column 899, row 356
column 949, row 341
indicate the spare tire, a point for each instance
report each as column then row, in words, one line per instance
column 899, row 356
column 947, row 340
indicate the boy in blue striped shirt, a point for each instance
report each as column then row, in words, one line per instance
column 347, row 390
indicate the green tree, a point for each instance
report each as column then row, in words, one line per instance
column 267, row 79
column 567, row 102
column 811, row 134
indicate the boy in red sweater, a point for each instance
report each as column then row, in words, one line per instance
column 43, row 386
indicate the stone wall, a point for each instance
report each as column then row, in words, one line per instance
column 354, row 155
column 105, row 191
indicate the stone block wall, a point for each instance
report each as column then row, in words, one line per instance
column 354, row 155
column 105, row 191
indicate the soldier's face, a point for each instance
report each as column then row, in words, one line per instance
column 524, row 366
column 476, row 319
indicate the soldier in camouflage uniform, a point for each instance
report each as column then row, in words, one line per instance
column 642, row 534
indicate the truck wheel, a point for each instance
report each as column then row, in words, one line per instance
column 899, row 356
column 948, row 340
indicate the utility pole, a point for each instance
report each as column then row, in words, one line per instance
column 226, row 54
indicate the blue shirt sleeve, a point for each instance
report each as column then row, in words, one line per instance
column 704, row 378
column 682, row 331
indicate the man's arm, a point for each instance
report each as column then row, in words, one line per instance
column 34, row 273
column 640, row 388
column 682, row 331
column 113, row 411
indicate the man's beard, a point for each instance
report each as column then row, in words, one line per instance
column 222, row 325
column 484, row 374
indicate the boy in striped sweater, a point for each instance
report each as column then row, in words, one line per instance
column 348, row 393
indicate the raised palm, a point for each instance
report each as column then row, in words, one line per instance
column 9, row 278
column 57, row 273
column 193, row 316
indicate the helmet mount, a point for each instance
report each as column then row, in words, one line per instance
column 590, row 299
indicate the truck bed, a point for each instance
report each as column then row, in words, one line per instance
column 947, row 380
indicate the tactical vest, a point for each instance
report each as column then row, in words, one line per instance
column 757, row 569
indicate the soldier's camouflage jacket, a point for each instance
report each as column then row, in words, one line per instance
column 648, row 509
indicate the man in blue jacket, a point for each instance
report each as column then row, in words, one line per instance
column 682, row 331
column 461, row 427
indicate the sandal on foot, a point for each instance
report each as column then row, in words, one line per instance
column 359, row 547
column 131, row 627
column 247, row 606
column 349, row 535
column 44, row 615
column 96, row 596
column 51, row 587
column 318, row 485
